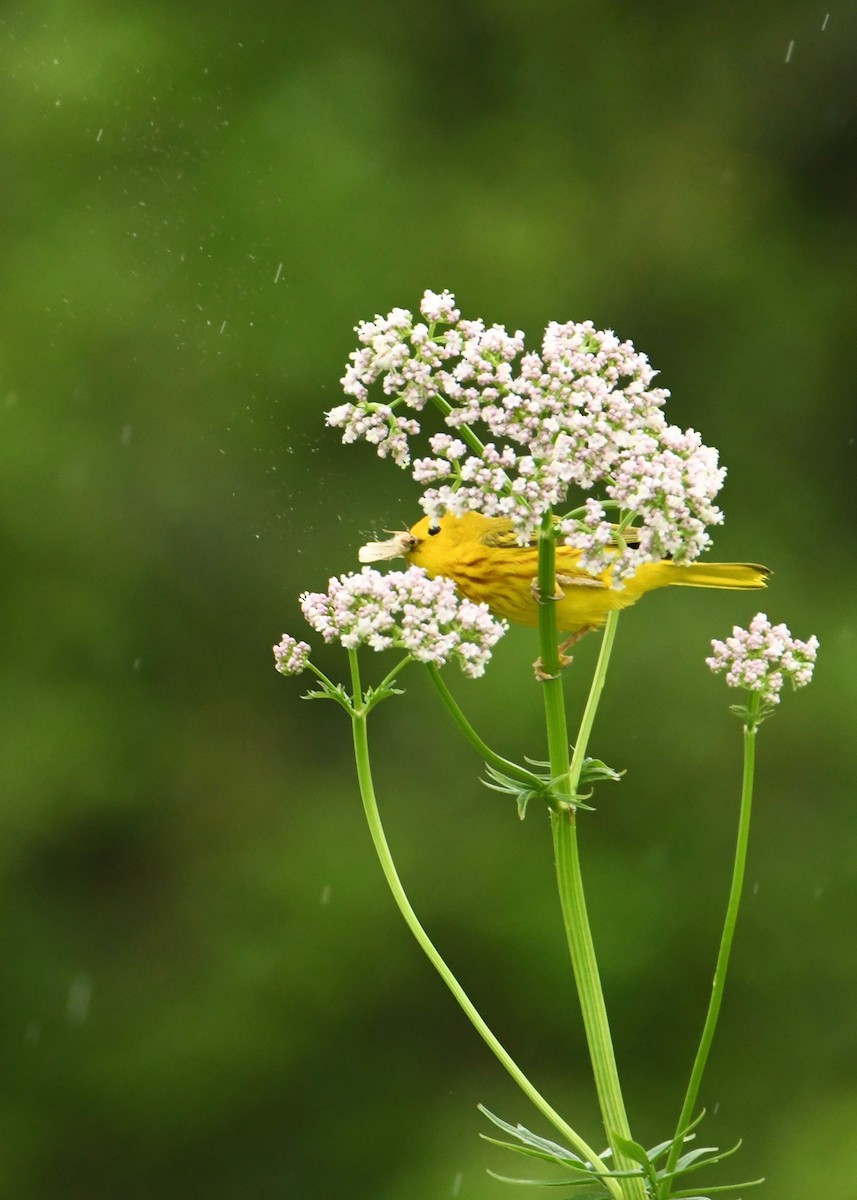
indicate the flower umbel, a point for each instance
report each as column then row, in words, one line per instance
column 406, row 610
column 525, row 427
column 761, row 658
column 290, row 655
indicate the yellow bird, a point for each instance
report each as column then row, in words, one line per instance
column 483, row 558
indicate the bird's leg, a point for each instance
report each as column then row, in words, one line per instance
column 565, row 660
column 561, row 582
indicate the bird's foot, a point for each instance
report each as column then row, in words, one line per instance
column 559, row 594
column 543, row 676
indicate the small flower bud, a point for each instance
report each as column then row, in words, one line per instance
column 290, row 655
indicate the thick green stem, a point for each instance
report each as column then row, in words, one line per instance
column 566, row 777
column 589, row 990
column 549, row 661
column 726, row 939
column 579, row 934
column 367, row 792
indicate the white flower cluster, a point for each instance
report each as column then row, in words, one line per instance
column 407, row 610
column 526, row 427
column 763, row 657
column 290, row 655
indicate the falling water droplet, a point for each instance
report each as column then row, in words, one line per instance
column 77, row 1001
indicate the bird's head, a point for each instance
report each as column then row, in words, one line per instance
column 430, row 538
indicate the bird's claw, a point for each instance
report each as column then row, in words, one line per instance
column 565, row 660
column 536, row 591
column 543, row 676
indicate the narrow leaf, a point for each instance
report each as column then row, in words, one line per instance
column 631, row 1149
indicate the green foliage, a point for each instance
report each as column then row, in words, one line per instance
column 541, row 784
column 660, row 1181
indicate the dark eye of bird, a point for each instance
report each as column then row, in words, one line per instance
column 433, row 530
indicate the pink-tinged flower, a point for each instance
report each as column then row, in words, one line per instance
column 407, row 610
column 528, row 428
column 761, row 658
column 290, row 655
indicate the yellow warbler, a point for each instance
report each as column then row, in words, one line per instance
column 482, row 557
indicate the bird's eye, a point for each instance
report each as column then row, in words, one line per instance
column 434, row 530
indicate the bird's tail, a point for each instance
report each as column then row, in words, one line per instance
column 718, row 575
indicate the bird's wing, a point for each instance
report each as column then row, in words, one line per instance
column 502, row 535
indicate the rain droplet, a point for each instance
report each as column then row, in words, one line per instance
column 790, row 51
column 325, row 894
column 77, row 1001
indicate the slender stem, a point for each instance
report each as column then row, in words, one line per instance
column 482, row 748
column 465, row 430
column 595, row 690
column 370, row 804
column 391, row 675
column 726, row 938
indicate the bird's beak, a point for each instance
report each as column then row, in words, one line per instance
column 396, row 546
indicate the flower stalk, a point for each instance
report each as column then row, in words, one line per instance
column 382, row 849
column 566, row 778
column 731, row 919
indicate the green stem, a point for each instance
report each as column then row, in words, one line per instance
column 726, row 939
column 370, row 805
column 482, row 748
column 579, row 933
column 597, row 686
column 466, row 432
column 566, row 776
column 554, row 699
column 591, row 995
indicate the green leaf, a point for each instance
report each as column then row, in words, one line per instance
column 719, row 1188
column 596, row 771
column 331, row 691
column 523, row 791
column 562, row 1153
column 599, row 1194
column 528, row 1151
column 685, row 1163
column 374, row 696
column 655, row 1152
column 632, row 1150
column 692, row 1162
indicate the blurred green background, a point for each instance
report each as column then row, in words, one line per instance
column 206, row 990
